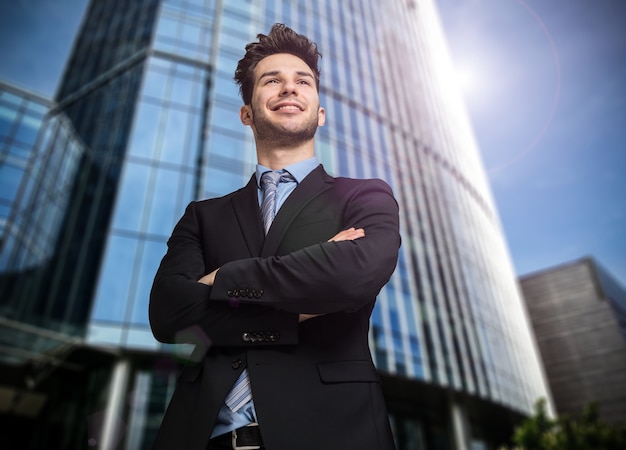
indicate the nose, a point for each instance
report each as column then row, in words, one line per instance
column 289, row 88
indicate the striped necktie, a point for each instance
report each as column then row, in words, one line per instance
column 269, row 184
column 241, row 393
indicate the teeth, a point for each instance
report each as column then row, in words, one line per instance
column 289, row 107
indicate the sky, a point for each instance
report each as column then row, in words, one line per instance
column 544, row 83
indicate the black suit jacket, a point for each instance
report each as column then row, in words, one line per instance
column 314, row 384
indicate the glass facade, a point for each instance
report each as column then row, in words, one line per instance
column 21, row 118
column 38, row 161
column 149, row 91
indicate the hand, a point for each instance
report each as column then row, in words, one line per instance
column 348, row 235
column 209, row 279
column 303, row 317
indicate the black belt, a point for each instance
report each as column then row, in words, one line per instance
column 244, row 438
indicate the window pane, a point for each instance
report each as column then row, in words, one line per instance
column 115, row 279
column 152, row 254
column 132, row 197
column 155, row 83
column 227, row 116
column 182, row 89
column 27, row 131
column 166, row 27
column 226, row 146
column 146, row 128
column 173, row 147
column 162, row 219
column 10, row 178
column 7, row 117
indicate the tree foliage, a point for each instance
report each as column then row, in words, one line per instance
column 585, row 432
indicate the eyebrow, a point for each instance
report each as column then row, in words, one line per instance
column 273, row 73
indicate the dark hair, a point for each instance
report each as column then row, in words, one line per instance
column 280, row 39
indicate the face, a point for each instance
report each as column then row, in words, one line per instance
column 285, row 107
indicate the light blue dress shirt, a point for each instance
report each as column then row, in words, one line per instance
column 298, row 170
column 226, row 419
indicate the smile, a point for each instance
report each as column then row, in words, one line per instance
column 287, row 107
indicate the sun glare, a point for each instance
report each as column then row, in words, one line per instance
column 465, row 79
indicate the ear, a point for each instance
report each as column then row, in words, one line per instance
column 321, row 117
column 245, row 114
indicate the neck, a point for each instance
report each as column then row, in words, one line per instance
column 276, row 157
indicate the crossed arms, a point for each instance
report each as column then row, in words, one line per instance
column 345, row 235
column 322, row 278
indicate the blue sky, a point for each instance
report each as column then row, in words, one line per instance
column 546, row 93
column 545, row 87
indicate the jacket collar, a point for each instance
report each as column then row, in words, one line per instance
column 245, row 204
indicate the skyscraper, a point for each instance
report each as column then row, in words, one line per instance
column 578, row 312
column 148, row 89
column 38, row 162
column 21, row 117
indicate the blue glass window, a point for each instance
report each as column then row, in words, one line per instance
column 173, row 146
column 148, row 265
column 115, row 279
column 10, row 178
column 225, row 87
column 132, row 197
column 7, row 119
column 163, row 214
column 226, row 116
column 229, row 146
column 186, row 87
column 191, row 33
column 167, row 28
column 155, row 83
column 27, row 131
column 146, row 130
column 220, row 182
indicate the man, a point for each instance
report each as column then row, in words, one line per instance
column 286, row 311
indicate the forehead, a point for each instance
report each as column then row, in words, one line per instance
column 281, row 63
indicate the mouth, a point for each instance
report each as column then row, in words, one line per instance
column 288, row 107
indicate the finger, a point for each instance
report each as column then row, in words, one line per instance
column 348, row 235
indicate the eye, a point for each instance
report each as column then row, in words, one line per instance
column 305, row 82
column 272, row 81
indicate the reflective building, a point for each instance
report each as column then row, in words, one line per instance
column 21, row 119
column 149, row 94
column 38, row 161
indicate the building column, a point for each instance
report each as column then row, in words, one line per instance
column 460, row 424
column 113, row 426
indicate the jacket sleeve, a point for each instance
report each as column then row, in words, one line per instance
column 180, row 310
column 330, row 276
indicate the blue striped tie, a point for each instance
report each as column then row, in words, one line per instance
column 269, row 184
column 241, row 392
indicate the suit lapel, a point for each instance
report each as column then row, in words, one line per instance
column 246, row 205
column 313, row 185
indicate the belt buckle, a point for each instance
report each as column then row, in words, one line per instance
column 243, row 447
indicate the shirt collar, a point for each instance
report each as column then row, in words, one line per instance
column 298, row 170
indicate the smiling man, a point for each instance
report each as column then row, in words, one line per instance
column 284, row 110
column 280, row 277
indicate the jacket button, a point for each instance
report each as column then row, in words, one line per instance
column 236, row 364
